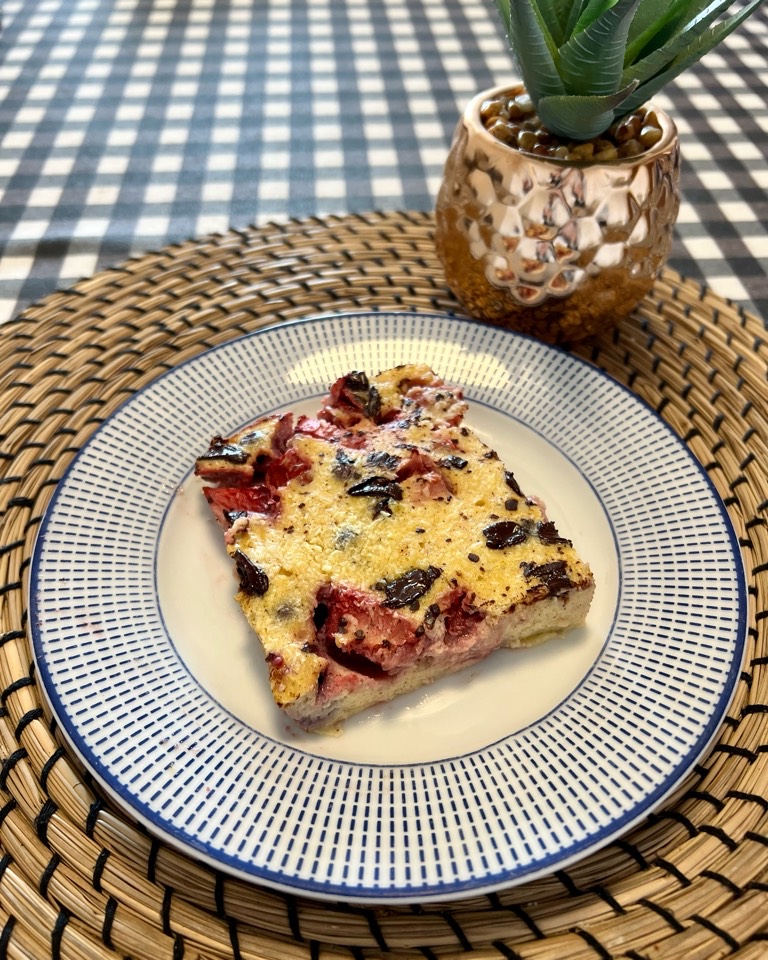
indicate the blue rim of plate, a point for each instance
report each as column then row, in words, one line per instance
column 514, row 810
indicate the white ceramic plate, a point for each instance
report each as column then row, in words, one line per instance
column 503, row 773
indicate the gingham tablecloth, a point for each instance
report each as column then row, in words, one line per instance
column 130, row 124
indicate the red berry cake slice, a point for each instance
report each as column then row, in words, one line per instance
column 381, row 545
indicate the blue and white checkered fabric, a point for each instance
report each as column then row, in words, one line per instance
column 129, row 124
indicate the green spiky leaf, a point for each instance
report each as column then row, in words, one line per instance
column 592, row 61
column 681, row 18
column 590, row 12
column 537, row 67
column 657, row 59
column 658, row 69
column 556, row 14
column 586, row 63
column 653, row 19
column 574, row 15
column 581, row 118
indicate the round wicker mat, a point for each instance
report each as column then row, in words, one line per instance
column 79, row 879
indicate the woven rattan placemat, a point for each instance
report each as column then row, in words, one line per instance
column 79, row 879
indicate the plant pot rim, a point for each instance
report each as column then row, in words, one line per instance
column 472, row 120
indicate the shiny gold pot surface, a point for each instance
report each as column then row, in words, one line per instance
column 555, row 248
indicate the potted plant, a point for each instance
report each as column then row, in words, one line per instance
column 560, row 194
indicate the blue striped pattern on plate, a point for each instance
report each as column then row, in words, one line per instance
column 357, row 817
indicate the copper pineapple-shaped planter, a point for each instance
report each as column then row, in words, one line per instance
column 559, row 249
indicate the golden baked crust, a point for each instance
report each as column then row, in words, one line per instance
column 382, row 544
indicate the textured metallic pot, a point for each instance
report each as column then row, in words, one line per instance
column 555, row 248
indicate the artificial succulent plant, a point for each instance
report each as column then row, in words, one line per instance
column 587, row 63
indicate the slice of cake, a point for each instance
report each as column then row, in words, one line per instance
column 381, row 545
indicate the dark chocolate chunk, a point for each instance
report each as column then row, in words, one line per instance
column 402, row 591
column 255, row 436
column 511, row 504
column 452, row 462
column 504, row 533
column 473, row 557
column 547, row 533
column 509, row 479
column 366, row 396
column 221, row 449
column 377, row 487
column 552, row 575
column 380, row 458
column 372, row 405
column 253, row 579
column 344, row 466
column 356, row 380
column 433, row 612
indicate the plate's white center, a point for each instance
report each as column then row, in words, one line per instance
column 468, row 711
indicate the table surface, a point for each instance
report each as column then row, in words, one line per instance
column 130, row 124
